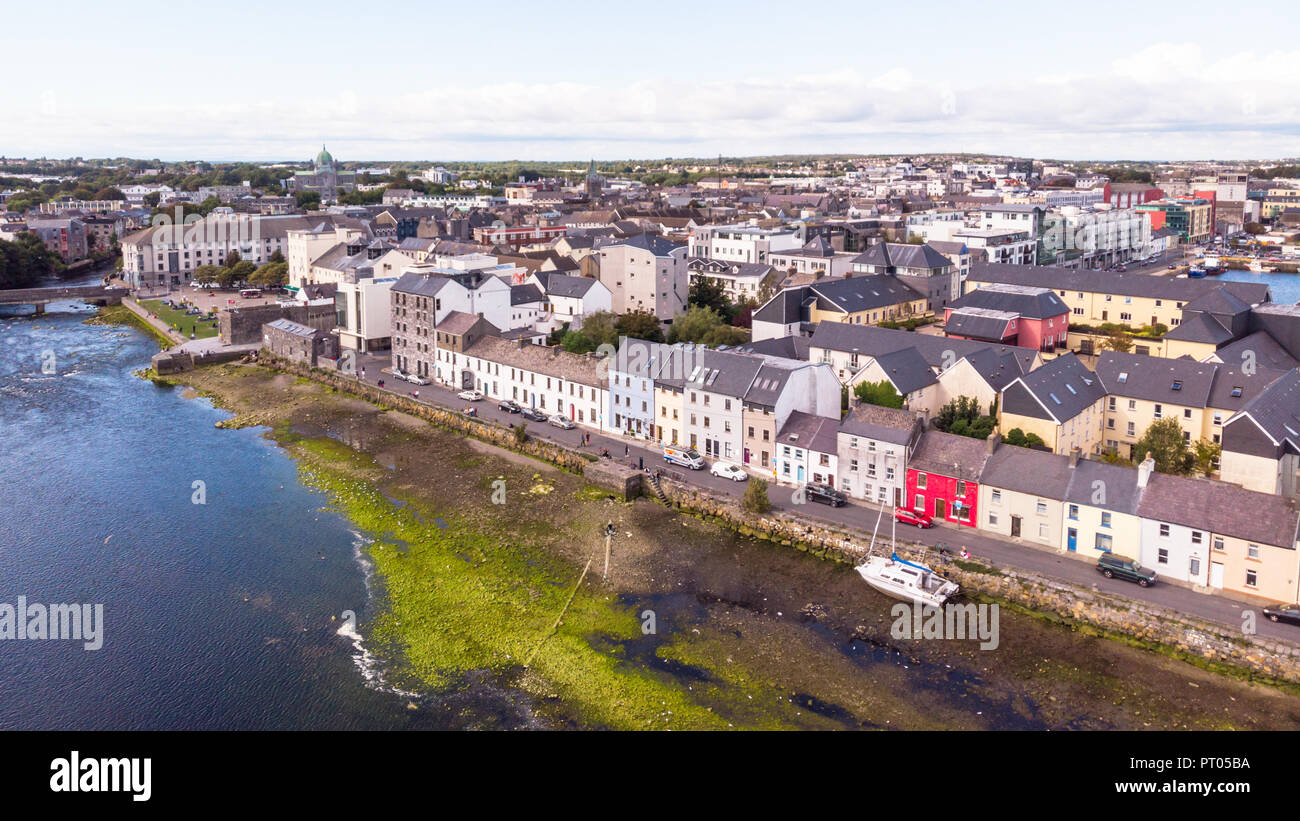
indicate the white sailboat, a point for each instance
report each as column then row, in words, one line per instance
column 902, row 579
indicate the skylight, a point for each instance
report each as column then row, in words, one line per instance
column 1123, row 377
column 1236, row 391
column 1178, row 384
column 1071, row 389
column 1054, row 399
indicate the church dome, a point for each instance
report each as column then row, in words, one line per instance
column 324, row 158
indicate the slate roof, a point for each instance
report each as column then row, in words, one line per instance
column 1022, row 300
column 907, row 369
column 720, row 372
column 1060, row 390
column 1229, row 510
column 979, row 323
column 814, row 433
column 1200, row 327
column 640, row 357
column 288, row 326
column 960, row 457
column 458, row 322
column 555, row 361
column 656, row 245
column 1026, row 470
column 1120, row 493
column 1277, row 410
column 1231, row 378
column 770, row 381
column 893, row 425
column 784, row 308
column 997, row 365
column 420, row 284
column 1083, row 279
column 1264, row 348
column 862, row 293
column 784, row 347
column 563, row 285
column 523, row 294
column 902, row 255
column 875, row 341
column 1153, row 378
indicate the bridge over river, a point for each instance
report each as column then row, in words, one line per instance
column 39, row 297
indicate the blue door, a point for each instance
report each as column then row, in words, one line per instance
column 801, row 473
column 1072, row 539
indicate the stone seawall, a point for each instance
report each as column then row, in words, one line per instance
column 1079, row 608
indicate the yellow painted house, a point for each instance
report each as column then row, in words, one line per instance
column 1062, row 402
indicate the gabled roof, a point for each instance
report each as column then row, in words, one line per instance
column 1263, row 348
column 902, row 255
column 563, row 285
column 1199, row 327
column 1119, row 481
column 907, row 370
column 871, row 340
column 863, row 293
column 947, row 454
column 1221, row 508
column 1277, row 410
column 656, row 245
column 979, row 323
column 1108, row 282
column 892, row 425
column 1060, row 390
column 814, row 433
column 1184, row 382
column 523, row 294
column 1025, row 470
column 1022, row 300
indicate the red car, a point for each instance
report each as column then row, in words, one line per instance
column 909, row 517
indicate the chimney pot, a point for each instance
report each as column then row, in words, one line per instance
column 994, row 440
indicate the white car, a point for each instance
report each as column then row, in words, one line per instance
column 471, row 396
column 414, row 379
column 729, row 471
column 398, row 373
column 559, row 420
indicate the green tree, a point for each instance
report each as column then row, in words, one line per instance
column 207, row 274
column 601, row 328
column 1118, row 341
column 710, row 293
column 694, row 325
column 271, row 275
column 880, row 393
column 242, row 270
column 640, row 325
column 1206, row 454
column 755, row 499
column 307, row 200
column 1164, row 441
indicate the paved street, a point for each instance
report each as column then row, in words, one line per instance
column 860, row 516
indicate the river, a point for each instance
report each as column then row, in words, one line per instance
column 223, row 614
column 1285, row 288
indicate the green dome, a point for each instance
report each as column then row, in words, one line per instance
column 324, row 158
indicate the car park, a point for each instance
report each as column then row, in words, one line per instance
column 471, row 395
column 825, row 494
column 1112, row 567
column 559, row 420
column 727, row 470
column 911, row 517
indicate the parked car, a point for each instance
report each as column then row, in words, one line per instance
column 1289, row 613
column 533, row 415
column 825, row 494
column 1112, row 566
column 559, row 420
column 729, row 471
column 910, row 517
column 415, row 379
column 398, row 373
column 686, row 457
column 508, row 406
column 471, row 396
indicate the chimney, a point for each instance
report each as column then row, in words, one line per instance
column 1144, row 470
column 1075, row 452
column 994, row 440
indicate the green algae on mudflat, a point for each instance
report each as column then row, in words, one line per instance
column 462, row 599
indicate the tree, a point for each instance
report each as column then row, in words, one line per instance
column 1254, row 228
column 26, row 260
column 880, row 393
column 109, row 193
column 241, row 271
column 271, row 275
column 1118, row 341
column 232, row 259
column 640, row 325
column 1020, row 439
column 521, row 434
column 1164, row 441
column 695, row 325
column 307, row 200
column 710, row 293
column 207, row 274
column 1207, row 455
column 601, row 328
column 755, row 499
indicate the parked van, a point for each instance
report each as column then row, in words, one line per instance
column 686, row 457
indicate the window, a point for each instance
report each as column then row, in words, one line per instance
column 1162, row 556
column 1252, row 578
column 1218, row 543
column 993, row 518
column 1159, row 411
column 996, row 497
column 1103, row 542
column 961, row 489
column 1042, row 531
column 1041, row 508
column 920, row 480
column 1074, row 512
column 1196, row 537
column 1105, row 519
column 1252, row 551
column 919, row 502
column 1164, row 531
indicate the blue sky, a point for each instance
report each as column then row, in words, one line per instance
column 434, row 81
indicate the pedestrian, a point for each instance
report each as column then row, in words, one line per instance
column 626, row 450
column 416, row 393
column 363, row 373
column 965, row 554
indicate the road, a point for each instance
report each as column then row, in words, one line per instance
column 863, row 517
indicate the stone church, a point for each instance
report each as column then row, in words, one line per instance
column 325, row 178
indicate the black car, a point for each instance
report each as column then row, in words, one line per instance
column 825, row 494
column 1112, row 566
column 508, row 406
column 1289, row 613
column 533, row 415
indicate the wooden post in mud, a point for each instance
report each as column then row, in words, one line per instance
column 609, row 536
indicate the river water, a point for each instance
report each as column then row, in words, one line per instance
column 1285, row 288
column 216, row 615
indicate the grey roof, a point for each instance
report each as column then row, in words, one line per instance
column 784, row 308
column 892, row 425
column 1277, row 410
column 1221, row 508
column 1218, row 301
column 294, row 328
column 1026, row 301
column 862, row 293
column 815, row 433
column 1231, row 379
column 1026, row 470
column 523, row 294
column 1060, row 390
column 976, row 323
column 1156, row 379
column 997, row 366
column 656, row 245
column 784, row 347
column 874, row 341
column 458, row 322
column 902, row 255
column 1120, row 493
column 640, row 357
column 549, row 361
column 960, row 457
column 1200, row 327
column 420, row 284
column 568, row 286
column 770, row 381
column 907, row 369
column 718, row 372
column 1083, row 279
column 1263, row 348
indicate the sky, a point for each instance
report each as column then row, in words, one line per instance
column 268, row 81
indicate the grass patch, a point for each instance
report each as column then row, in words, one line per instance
column 174, row 318
column 122, row 315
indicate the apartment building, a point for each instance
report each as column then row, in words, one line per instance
column 646, row 273
column 921, row 267
column 1062, row 402
column 741, row 243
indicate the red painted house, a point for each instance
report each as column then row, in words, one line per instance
column 1020, row 315
column 943, row 477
